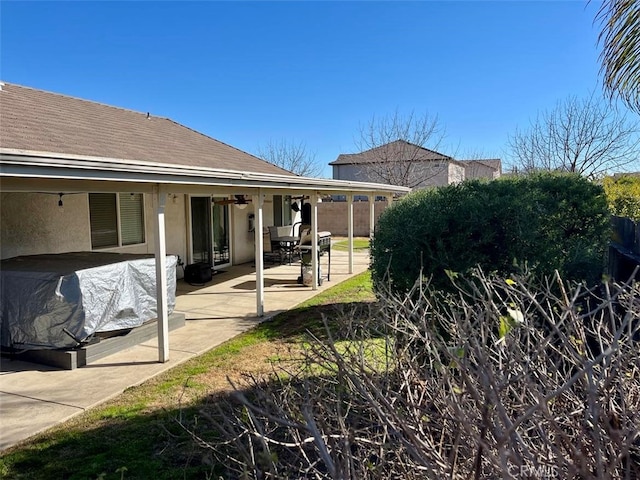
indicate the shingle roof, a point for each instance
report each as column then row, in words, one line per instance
column 390, row 150
column 37, row 120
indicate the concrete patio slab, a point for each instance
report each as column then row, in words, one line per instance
column 34, row 397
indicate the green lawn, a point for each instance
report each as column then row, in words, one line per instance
column 359, row 244
column 136, row 436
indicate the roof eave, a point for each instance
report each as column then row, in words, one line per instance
column 30, row 164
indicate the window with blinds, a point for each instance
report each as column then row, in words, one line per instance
column 104, row 220
column 116, row 220
column 131, row 218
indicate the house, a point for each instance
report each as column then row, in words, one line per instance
column 403, row 163
column 80, row 176
column 489, row 168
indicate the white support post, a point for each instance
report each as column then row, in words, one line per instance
column 314, row 239
column 259, row 253
column 372, row 214
column 160, row 200
column 350, row 230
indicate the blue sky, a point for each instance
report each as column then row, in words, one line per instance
column 248, row 72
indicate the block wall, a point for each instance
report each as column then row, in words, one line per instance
column 332, row 217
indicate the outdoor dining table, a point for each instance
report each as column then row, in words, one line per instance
column 288, row 244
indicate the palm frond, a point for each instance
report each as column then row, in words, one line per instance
column 620, row 56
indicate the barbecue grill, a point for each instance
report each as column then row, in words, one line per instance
column 305, row 250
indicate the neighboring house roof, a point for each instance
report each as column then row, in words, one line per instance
column 399, row 148
column 41, row 121
column 390, row 150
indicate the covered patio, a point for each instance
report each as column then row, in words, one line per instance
column 80, row 176
column 40, row 172
column 35, row 397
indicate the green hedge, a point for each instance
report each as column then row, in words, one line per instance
column 544, row 221
column 623, row 196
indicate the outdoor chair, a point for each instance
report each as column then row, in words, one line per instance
column 271, row 249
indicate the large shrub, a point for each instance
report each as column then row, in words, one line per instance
column 623, row 196
column 547, row 222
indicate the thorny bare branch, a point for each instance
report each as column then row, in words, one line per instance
column 502, row 379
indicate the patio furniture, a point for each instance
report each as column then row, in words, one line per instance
column 281, row 240
column 271, row 250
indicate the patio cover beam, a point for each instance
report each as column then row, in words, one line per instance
column 160, row 200
column 314, row 240
column 372, row 214
column 258, row 201
column 350, row 230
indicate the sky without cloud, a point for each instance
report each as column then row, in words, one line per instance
column 248, row 72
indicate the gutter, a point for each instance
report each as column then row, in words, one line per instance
column 32, row 164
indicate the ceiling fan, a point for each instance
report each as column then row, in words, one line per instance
column 237, row 200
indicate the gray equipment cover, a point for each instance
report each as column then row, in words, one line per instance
column 81, row 293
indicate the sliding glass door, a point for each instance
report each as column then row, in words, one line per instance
column 210, row 242
column 221, row 254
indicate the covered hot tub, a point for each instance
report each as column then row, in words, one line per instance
column 59, row 300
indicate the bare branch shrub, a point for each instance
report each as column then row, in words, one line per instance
column 401, row 150
column 579, row 135
column 292, row 156
column 501, row 379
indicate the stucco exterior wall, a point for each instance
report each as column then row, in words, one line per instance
column 33, row 223
column 456, row 173
column 350, row 172
column 480, row 170
column 332, row 217
column 436, row 175
column 243, row 250
column 243, row 245
column 176, row 231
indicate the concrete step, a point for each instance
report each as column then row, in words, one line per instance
column 78, row 357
